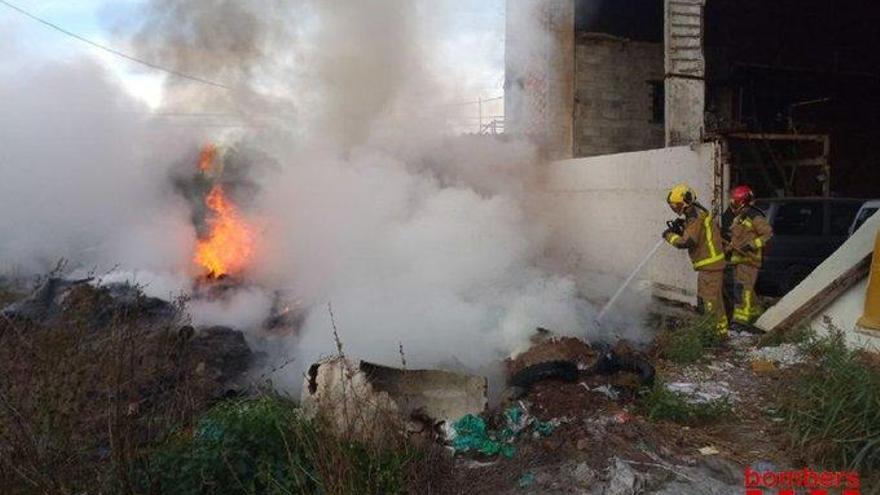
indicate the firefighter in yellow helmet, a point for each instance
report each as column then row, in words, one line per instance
column 698, row 232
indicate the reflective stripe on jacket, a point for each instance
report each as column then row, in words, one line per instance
column 702, row 239
column 749, row 233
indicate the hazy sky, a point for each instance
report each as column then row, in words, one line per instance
column 471, row 41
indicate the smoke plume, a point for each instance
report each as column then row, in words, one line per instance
column 416, row 237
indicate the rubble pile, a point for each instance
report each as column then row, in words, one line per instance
column 218, row 354
column 569, row 420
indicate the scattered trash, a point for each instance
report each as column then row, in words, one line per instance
column 708, row 450
column 622, row 417
column 605, row 390
column 702, row 393
column 526, row 479
column 470, row 433
column 763, row 367
column 763, row 466
column 475, row 464
column 622, row 479
column 783, row 355
column 584, row 474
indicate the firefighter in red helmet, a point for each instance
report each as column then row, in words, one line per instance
column 746, row 232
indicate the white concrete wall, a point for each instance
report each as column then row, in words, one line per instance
column 844, row 314
column 608, row 211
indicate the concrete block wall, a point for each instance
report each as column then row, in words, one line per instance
column 613, row 100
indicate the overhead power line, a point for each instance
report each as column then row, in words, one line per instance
column 112, row 50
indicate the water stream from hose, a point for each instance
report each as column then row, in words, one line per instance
column 628, row 280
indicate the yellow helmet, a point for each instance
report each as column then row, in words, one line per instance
column 681, row 194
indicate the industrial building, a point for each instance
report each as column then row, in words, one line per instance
column 626, row 98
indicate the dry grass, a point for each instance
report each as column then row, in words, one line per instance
column 78, row 403
column 123, row 408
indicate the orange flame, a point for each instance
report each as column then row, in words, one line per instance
column 206, row 158
column 229, row 245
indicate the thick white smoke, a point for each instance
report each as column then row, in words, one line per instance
column 84, row 172
column 417, row 238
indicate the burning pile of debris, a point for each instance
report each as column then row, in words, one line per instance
column 448, row 406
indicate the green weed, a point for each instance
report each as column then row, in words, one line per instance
column 265, row 446
column 832, row 409
column 801, row 334
column 660, row 403
column 687, row 342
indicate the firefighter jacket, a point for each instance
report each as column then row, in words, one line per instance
column 749, row 233
column 702, row 239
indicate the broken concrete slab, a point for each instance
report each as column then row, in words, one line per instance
column 362, row 398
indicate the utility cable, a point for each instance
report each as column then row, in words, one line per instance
column 112, row 50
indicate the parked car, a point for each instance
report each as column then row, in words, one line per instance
column 865, row 212
column 805, row 232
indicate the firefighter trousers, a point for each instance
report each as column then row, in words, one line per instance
column 710, row 300
column 746, row 308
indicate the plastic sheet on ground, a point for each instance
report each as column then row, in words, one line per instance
column 471, row 434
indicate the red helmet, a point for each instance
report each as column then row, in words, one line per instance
column 741, row 196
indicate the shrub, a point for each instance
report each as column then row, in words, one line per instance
column 686, row 342
column 801, row 334
column 78, row 402
column 660, row 403
column 832, row 409
column 240, row 446
column 264, row 446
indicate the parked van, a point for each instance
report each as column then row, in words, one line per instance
column 805, row 232
column 865, row 212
